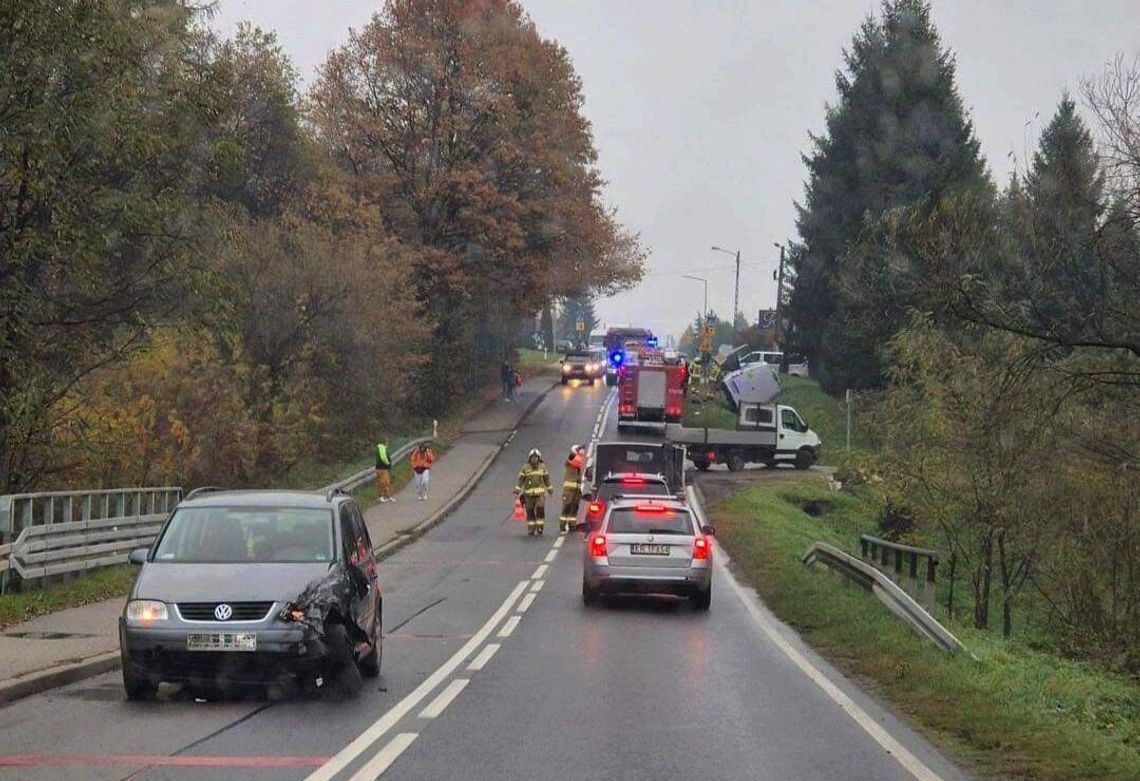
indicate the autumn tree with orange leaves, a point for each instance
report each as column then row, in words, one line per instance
column 464, row 127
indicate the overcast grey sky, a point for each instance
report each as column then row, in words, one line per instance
column 701, row 109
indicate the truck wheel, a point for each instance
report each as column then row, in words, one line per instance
column 735, row 461
column 701, row 464
column 804, row 459
column 565, row 381
column 591, row 381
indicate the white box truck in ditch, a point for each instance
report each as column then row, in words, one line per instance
column 769, row 434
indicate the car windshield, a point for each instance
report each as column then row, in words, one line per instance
column 658, row 520
column 577, row 356
column 612, row 488
column 247, row 534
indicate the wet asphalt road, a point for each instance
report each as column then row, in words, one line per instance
column 639, row 688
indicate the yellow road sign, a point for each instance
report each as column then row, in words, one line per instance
column 580, row 326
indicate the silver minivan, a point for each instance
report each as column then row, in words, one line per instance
column 648, row 546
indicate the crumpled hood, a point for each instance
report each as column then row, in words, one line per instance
column 272, row 582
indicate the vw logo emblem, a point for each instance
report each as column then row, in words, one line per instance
column 223, row 612
column 651, row 538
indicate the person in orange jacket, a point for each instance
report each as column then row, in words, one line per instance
column 423, row 458
column 571, row 488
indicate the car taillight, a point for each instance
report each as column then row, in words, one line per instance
column 701, row 549
column 632, row 481
column 650, row 508
column 711, row 455
column 598, row 546
column 595, row 509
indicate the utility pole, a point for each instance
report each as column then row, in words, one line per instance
column 779, row 296
column 736, row 292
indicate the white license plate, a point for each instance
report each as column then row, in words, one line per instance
column 644, row 549
column 222, row 641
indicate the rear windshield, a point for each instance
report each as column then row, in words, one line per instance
column 659, row 521
column 608, row 490
column 247, row 534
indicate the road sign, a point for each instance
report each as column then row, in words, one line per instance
column 708, row 333
column 580, row 326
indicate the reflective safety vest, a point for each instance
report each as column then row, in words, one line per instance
column 534, row 480
column 573, row 474
column 382, row 461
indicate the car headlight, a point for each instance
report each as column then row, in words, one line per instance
column 565, row 368
column 147, row 610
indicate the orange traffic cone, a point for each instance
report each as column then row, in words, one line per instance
column 520, row 513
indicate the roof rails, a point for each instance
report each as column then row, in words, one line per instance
column 205, row 489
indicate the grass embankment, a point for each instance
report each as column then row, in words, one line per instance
column 95, row 587
column 1017, row 712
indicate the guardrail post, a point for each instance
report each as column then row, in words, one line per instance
column 931, row 583
column 912, row 573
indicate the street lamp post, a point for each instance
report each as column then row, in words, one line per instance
column 705, row 311
column 736, row 289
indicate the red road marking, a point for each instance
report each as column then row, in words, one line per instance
column 144, row 760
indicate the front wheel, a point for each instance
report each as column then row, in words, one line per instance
column 735, row 461
column 565, row 381
column 370, row 664
column 702, row 464
column 804, row 459
column 139, row 686
column 591, row 382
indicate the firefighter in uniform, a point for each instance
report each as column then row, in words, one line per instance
column 533, row 486
column 571, row 488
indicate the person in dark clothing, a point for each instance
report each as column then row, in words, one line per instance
column 507, row 375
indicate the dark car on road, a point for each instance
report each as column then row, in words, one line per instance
column 253, row 587
column 579, row 365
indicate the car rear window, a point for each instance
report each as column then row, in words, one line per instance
column 610, row 489
column 235, row 535
column 661, row 520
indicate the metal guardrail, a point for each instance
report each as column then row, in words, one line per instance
column 887, row 591
column 58, row 532
column 354, row 482
column 892, row 556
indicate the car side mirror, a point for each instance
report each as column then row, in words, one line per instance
column 138, row 556
column 706, row 529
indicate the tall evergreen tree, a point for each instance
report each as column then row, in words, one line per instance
column 577, row 309
column 898, row 135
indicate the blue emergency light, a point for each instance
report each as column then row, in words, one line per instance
column 651, row 342
column 617, row 357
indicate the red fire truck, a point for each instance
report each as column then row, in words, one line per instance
column 651, row 389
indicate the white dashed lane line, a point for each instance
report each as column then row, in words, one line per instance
column 509, row 626
column 385, row 757
column 480, row 661
column 526, row 602
column 558, row 542
column 550, row 556
column 390, row 718
column 536, row 586
column 444, row 698
column 540, row 573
